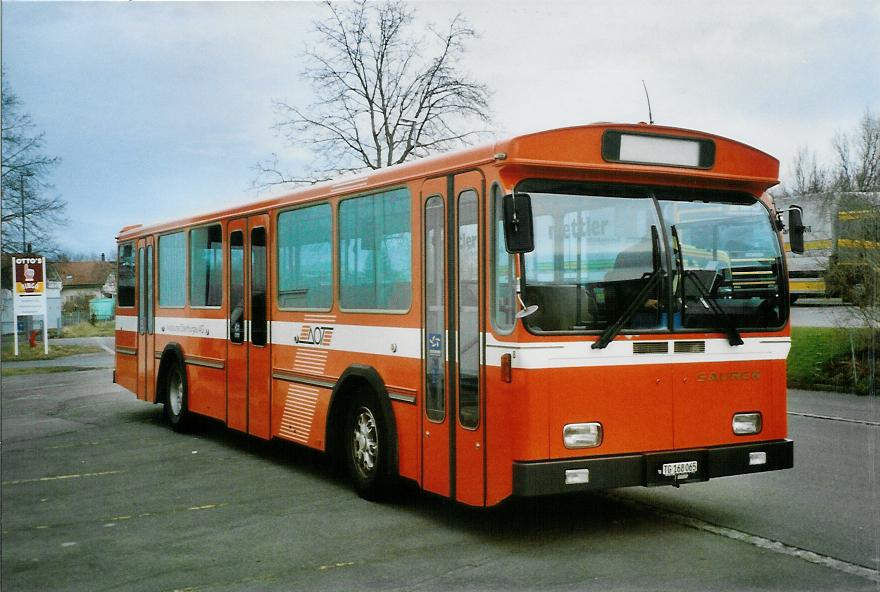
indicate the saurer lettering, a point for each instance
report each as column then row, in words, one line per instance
column 727, row 376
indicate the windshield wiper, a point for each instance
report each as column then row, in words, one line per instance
column 733, row 336
column 652, row 280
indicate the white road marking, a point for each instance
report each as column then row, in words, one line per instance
column 61, row 477
column 833, row 418
column 104, row 347
column 757, row 541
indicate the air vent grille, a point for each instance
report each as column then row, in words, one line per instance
column 690, row 347
column 651, row 347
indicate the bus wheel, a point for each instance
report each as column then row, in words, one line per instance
column 367, row 448
column 175, row 399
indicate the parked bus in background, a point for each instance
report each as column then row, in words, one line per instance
column 854, row 265
column 807, row 271
column 590, row 307
column 841, row 257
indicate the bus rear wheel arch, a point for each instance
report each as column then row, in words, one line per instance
column 366, row 446
column 172, row 389
column 362, row 434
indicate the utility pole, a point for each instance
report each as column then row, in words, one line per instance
column 21, row 177
column 28, row 320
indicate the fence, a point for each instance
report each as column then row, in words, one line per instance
column 76, row 317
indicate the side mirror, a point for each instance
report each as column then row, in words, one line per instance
column 796, row 229
column 519, row 235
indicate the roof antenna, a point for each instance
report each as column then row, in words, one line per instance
column 650, row 115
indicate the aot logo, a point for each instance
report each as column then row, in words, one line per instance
column 315, row 335
column 727, row 376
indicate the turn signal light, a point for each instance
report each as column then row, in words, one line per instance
column 506, row 374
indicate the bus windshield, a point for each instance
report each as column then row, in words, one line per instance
column 599, row 252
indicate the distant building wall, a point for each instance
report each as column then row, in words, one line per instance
column 90, row 291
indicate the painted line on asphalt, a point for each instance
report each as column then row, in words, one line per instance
column 61, row 477
column 756, row 541
column 206, row 507
column 104, row 347
column 834, row 418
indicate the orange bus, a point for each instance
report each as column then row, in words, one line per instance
column 591, row 307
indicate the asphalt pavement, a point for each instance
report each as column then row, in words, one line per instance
column 804, row 315
column 828, row 503
column 98, row 494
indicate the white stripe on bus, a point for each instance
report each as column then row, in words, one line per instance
column 404, row 342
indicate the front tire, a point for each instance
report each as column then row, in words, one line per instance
column 175, row 399
column 366, row 449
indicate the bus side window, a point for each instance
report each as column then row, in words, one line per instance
column 125, row 274
column 172, row 270
column 375, row 252
column 206, row 266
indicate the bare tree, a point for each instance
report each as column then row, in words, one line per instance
column 379, row 100
column 858, row 156
column 806, row 174
column 27, row 203
column 847, row 196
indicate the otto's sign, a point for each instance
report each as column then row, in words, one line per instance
column 28, row 270
column 29, row 285
column 29, row 293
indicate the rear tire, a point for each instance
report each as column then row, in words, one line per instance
column 175, row 399
column 365, row 438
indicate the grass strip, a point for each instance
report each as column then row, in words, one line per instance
column 834, row 359
column 27, row 353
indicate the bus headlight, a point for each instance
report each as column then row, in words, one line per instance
column 746, row 423
column 582, row 435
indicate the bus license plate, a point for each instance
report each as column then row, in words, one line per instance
column 679, row 468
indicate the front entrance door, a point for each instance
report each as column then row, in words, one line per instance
column 453, row 455
column 248, row 349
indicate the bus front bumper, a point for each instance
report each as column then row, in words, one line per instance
column 674, row 467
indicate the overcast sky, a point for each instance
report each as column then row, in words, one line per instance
column 160, row 110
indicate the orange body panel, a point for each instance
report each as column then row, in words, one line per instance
column 126, row 353
column 708, row 395
column 237, row 386
column 633, row 403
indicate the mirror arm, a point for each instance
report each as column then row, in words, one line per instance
column 514, row 220
column 520, row 284
column 780, row 225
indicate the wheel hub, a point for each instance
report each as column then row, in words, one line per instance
column 366, row 442
column 175, row 395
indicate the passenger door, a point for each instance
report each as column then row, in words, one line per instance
column 146, row 385
column 248, row 349
column 453, row 434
